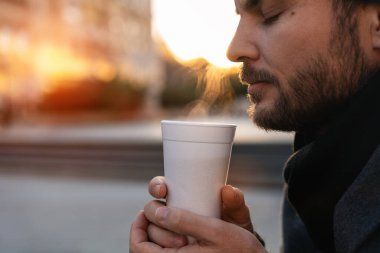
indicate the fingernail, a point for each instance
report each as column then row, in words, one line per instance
column 157, row 188
column 162, row 213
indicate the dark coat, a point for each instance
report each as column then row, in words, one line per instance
column 356, row 217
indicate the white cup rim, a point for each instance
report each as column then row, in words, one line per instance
column 203, row 132
column 197, row 123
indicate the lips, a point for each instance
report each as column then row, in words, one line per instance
column 257, row 79
column 257, row 86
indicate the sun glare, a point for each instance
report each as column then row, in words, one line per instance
column 196, row 28
column 54, row 63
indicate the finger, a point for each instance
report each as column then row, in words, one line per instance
column 233, row 198
column 138, row 229
column 150, row 210
column 157, row 187
column 138, row 241
column 234, row 208
column 165, row 238
column 211, row 233
column 188, row 223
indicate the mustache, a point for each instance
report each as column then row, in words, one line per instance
column 250, row 76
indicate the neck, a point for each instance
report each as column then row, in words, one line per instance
column 313, row 130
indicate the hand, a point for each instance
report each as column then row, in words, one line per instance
column 234, row 210
column 212, row 235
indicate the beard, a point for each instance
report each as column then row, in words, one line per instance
column 317, row 91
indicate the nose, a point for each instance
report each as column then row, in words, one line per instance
column 243, row 44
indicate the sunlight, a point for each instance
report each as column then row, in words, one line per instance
column 196, row 28
column 53, row 63
column 57, row 63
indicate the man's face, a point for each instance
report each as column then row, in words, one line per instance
column 300, row 67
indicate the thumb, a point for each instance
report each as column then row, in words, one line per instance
column 187, row 223
column 234, row 208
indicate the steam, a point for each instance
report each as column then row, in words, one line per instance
column 215, row 88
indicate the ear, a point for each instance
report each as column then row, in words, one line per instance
column 375, row 27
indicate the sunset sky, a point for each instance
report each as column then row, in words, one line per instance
column 196, row 28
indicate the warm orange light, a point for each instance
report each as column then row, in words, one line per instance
column 54, row 63
column 104, row 70
column 4, row 81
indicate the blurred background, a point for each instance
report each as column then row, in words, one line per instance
column 83, row 87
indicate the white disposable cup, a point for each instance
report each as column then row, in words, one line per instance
column 196, row 163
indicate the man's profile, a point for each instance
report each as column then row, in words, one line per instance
column 313, row 68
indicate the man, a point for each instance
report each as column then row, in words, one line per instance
column 312, row 67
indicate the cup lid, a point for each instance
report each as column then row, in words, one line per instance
column 210, row 132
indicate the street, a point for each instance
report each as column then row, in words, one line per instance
column 56, row 215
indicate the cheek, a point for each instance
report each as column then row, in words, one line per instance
column 290, row 52
column 287, row 46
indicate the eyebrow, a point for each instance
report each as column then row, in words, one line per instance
column 249, row 5
column 252, row 3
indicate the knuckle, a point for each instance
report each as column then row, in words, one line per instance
column 150, row 209
column 177, row 218
column 133, row 248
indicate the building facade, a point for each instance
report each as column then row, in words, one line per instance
column 91, row 37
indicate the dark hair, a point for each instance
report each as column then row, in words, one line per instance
column 344, row 12
column 350, row 5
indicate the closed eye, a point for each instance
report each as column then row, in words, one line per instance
column 272, row 19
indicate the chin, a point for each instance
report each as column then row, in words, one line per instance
column 270, row 118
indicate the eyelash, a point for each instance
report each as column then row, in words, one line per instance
column 272, row 19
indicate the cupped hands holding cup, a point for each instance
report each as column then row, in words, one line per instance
column 201, row 214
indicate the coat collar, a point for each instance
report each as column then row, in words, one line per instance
column 319, row 173
column 357, row 213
